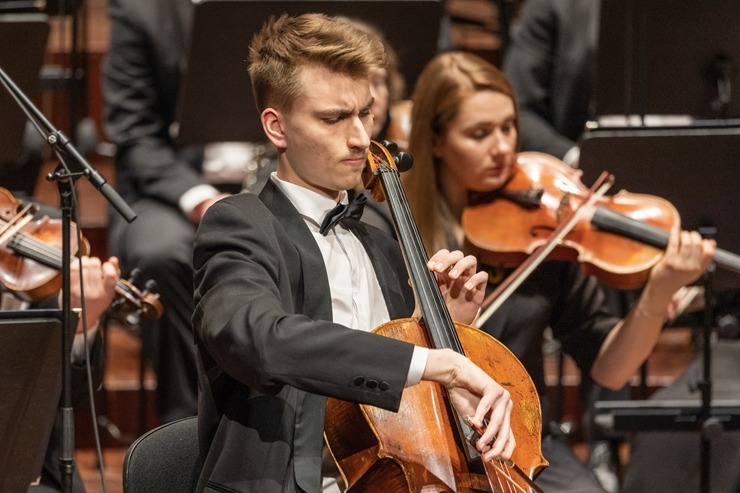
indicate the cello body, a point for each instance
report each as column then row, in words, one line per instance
column 416, row 449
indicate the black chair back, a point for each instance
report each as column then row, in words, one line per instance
column 164, row 460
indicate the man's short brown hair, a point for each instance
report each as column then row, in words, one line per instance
column 286, row 44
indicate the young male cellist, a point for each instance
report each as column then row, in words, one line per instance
column 283, row 307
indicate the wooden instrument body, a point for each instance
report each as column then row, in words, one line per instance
column 414, row 449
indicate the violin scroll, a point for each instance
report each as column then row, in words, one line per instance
column 132, row 303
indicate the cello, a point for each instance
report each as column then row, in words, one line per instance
column 425, row 446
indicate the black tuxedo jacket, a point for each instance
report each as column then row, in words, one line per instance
column 268, row 350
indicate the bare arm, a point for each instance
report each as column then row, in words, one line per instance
column 632, row 340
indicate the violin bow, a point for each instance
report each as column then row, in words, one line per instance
column 502, row 292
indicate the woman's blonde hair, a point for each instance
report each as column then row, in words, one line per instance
column 446, row 81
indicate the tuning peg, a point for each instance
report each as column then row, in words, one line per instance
column 391, row 146
column 404, row 161
column 150, row 286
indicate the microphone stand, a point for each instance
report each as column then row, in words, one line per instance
column 65, row 175
column 711, row 426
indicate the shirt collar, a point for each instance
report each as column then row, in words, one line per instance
column 311, row 205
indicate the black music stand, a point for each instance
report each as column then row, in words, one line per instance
column 30, row 386
column 21, row 56
column 662, row 57
column 216, row 103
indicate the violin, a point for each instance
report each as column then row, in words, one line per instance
column 618, row 239
column 31, row 261
column 426, row 445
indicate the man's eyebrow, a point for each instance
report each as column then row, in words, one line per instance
column 334, row 113
column 341, row 113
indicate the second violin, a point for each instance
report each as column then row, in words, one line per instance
column 31, row 260
column 618, row 240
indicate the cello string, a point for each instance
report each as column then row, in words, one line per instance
column 503, row 468
column 427, row 288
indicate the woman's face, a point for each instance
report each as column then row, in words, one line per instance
column 477, row 150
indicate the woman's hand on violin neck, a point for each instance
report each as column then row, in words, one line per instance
column 462, row 286
column 474, row 393
column 686, row 258
column 99, row 280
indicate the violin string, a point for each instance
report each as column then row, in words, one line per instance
column 52, row 256
column 47, row 254
column 13, row 226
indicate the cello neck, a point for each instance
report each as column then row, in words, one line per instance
column 437, row 320
column 614, row 222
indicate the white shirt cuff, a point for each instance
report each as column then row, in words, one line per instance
column 195, row 196
column 572, row 156
column 418, row 365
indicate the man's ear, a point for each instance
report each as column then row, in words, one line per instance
column 272, row 125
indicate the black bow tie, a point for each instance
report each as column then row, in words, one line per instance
column 343, row 211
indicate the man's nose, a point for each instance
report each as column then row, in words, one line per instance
column 359, row 137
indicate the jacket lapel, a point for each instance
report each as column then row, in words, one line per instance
column 390, row 274
column 314, row 298
column 313, row 301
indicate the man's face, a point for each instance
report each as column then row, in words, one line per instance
column 326, row 133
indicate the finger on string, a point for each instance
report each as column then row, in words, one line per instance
column 501, row 444
column 674, row 240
